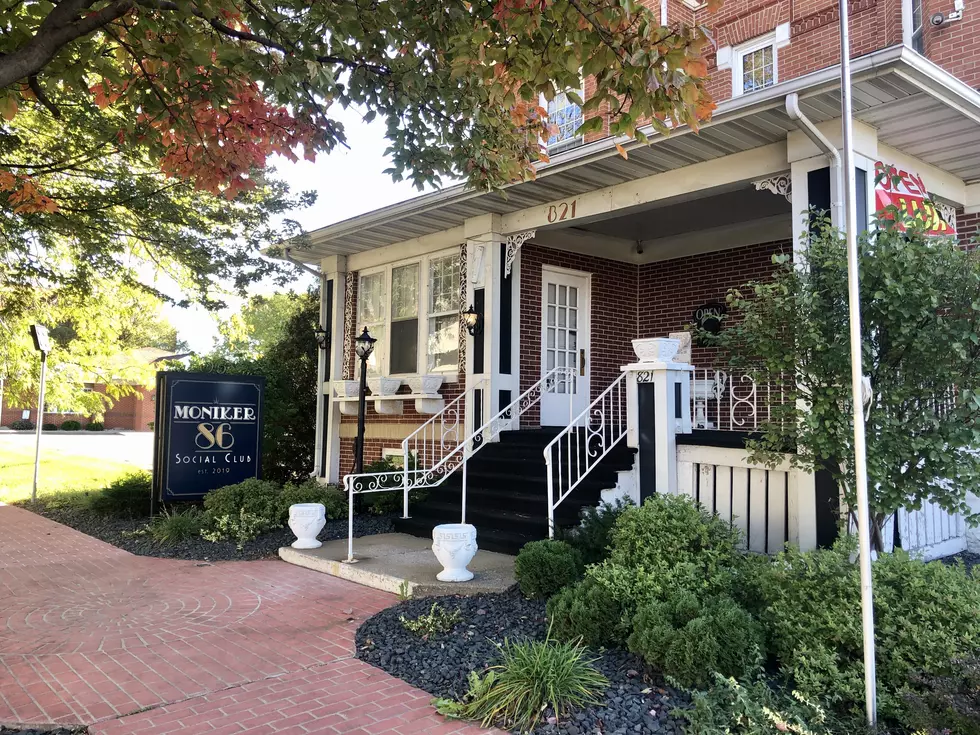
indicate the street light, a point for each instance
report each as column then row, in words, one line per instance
column 42, row 344
column 363, row 347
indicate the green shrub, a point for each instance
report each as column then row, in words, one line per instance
column 927, row 615
column 49, row 427
column 23, row 425
column 258, row 498
column 531, row 677
column 95, row 426
column 594, row 534
column 947, row 703
column 437, row 620
column 312, row 491
column 71, row 425
column 390, row 502
column 544, row 567
column 585, row 610
column 127, row 496
column 689, row 639
column 241, row 528
column 757, row 708
column 174, row 526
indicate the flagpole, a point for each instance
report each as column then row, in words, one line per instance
column 854, row 309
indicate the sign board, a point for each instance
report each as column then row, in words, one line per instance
column 42, row 342
column 208, row 433
column 906, row 191
column 709, row 316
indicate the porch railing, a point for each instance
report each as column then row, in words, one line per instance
column 590, row 436
column 724, row 401
column 412, row 478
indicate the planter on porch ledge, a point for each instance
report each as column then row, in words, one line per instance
column 655, row 349
column 347, row 389
column 384, row 386
column 425, row 384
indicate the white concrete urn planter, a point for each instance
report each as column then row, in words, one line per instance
column 454, row 545
column 384, row 386
column 427, row 385
column 346, row 388
column 656, row 349
column 306, row 520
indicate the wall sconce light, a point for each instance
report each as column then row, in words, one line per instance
column 322, row 337
column 473, row 321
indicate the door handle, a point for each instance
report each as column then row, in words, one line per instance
column 581, row 362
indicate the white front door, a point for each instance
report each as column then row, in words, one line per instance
column 565, row 309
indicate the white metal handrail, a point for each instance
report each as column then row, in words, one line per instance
column 604, row 425
column 407, row 479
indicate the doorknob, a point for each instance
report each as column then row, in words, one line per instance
column 581, row 362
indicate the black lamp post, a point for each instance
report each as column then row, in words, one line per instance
column 363, row 347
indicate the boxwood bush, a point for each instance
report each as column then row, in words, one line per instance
column 127, row 496
column 23, row 425
column 49, row 427
column 585, row 610
column 258, row 498
column 71, row 425
column 311, row 491
column 593, row 535
column 94, row 426
column 544, row 567
column 927, row 615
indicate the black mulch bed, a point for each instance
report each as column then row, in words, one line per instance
column 111, row 530
column 637, row 700
column 971, row 560
column 43, row 730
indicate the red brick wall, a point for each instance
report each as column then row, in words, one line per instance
column 670, row 290
column 968, row 228
column 129, row 413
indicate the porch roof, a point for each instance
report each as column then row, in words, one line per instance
column 906, row 97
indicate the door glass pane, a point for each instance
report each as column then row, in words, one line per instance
column 572, row 296
column 561, row 340
column 572, row 341
column 551, row 338
column 551, row 316
column 550, row 360
column 561, row 317
column 551, row 293
column 562, row 295
column 573, row 318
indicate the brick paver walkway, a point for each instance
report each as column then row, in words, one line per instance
column 92, row 634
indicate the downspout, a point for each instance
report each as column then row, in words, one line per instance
column 820, row 140
column 321, row 364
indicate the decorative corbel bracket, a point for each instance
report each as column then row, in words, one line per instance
column 779, row 184
column 513, row 244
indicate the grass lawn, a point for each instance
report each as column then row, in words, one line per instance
column 65, row 475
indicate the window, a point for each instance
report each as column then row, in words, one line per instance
column 918, row 40
column 443, row 335
column 566, row 117
column 756, row 68
column 404, row 319
column 371, row 314
column 395, row 311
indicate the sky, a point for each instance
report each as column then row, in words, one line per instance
column 348, row 182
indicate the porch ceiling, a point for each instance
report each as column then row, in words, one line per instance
column 916, row 107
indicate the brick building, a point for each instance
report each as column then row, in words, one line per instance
column 568, row 269
column 131, row 412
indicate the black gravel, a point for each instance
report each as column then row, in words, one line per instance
column 112, row 530
column 43, row 730
column 970, row 559
column 637, row 700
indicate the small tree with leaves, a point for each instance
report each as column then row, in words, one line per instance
column 920, row 309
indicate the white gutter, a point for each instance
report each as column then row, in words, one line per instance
column 820, row 140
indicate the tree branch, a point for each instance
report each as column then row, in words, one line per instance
column 61, row 26
column 42, row 97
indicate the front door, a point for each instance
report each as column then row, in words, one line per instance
column 565, row 310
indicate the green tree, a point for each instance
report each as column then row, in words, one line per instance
column 261, row 323
column 920, row 310
column 289, row 366
column 93, row 336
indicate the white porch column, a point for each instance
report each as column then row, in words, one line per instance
column 658, row 407
column 486, row 290
column 328, row 420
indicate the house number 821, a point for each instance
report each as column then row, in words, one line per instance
column 561, row 211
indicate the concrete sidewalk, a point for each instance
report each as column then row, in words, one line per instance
column 90, row 634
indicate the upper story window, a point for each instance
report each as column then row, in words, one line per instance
column 407, row 304
column 567, row 117
column 755, row 66
column 755, row 63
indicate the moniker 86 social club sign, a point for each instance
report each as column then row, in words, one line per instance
column 208, row 432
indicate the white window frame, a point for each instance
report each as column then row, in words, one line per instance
column 422, row 362
column 758, row 44
column 913, row 36
column 729, row 57
column 563, row 145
